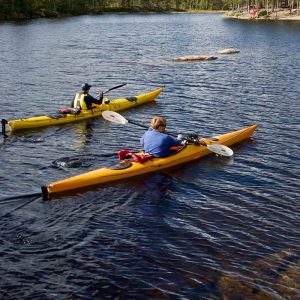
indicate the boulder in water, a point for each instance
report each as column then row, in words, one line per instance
column 228, row 51
column 195, row 58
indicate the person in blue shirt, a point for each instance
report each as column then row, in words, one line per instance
column 156, row 142
column 84, row 100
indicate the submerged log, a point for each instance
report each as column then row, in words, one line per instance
column 228, row 51
column 195, row 58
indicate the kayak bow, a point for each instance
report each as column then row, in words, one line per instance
column 127, row 169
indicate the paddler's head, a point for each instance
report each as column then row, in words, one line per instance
column 86, row 87
column 159, row 124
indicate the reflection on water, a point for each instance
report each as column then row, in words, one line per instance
column 216, row 228
column 83, row 134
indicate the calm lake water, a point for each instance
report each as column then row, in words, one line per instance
column 219, row 228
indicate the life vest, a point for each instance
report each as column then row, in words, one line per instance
column 79, row 101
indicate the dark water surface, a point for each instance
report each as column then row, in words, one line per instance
column 212, row 229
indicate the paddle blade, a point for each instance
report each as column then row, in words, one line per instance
column 220, row 149
column 114, row 117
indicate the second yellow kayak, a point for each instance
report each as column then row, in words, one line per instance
column 113, row 105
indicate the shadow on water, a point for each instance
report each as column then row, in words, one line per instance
column 80, row 161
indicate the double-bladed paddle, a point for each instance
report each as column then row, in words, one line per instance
column 114, row 117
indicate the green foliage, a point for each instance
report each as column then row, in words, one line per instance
column 10, row 9
column 14, row 9
column 262, row 13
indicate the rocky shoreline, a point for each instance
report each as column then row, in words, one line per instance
column 263, row 14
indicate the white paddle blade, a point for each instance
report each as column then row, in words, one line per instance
column 220, row 149
column 114, row 117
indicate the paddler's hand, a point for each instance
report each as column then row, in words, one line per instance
column 203, row 142
column 184, row 142
column 179, row 137
column 100, row 93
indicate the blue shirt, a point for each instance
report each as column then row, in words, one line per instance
column 157, row 143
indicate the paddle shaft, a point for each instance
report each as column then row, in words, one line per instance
column 138, row 124
column 115, row 87
column 144, row 126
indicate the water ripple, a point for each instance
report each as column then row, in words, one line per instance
column 215, row 228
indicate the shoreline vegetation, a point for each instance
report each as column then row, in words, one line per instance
column 14, row 10
column 24, row 9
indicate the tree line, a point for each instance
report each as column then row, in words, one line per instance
column 267, row 5
column 22, row 9
column 17, row 9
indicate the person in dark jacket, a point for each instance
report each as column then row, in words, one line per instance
column 156, row 142
column 84, row 100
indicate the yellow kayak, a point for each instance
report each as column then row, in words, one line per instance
column 113, row 105
column 127, row 169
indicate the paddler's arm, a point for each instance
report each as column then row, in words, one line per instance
column 173, row 141
column 90, row 100
column 100, row 94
